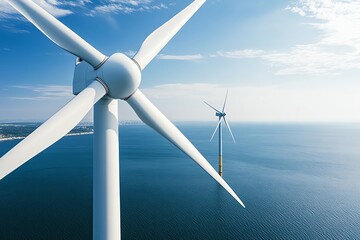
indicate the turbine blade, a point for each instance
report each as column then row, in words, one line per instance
column 53, row 129
column 228, row 127
column 151, row 116
column 58, row 32
column 212, row 107
column 217, row 126
column 161, row 36
column 227, row 91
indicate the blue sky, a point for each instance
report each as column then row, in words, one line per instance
column 282, row 60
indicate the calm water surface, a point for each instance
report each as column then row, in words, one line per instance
column 297, row 181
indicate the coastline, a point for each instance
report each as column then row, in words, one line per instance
column 20, row 138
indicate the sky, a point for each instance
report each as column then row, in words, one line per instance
column 282, row 61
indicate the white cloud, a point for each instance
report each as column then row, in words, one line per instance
column 131, row 2
column 338, row 20
column 111, row 8
column 336, row 49
column 125, row 6
column 339, row 45
column 314, row 59
column 5, row 10
column 54, row 7
column 245, row 53
column 303, row 59
column 192, row 57
column 79, row 3
column 60, row 8
column 44, row 92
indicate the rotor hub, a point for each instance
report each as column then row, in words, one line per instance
column 220, row 114
column 121, row 75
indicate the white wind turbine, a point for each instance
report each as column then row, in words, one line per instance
column 100, row 81
column 221, row 115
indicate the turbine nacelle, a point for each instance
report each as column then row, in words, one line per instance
column 120, row 75
column 220, row 114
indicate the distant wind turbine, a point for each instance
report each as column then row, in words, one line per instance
column 100, row 81
column 221, row 115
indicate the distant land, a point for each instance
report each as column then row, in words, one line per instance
column 19, row 130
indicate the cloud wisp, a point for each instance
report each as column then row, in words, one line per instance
column 192, row 57
column 245, row 53
column 61, row 8
column 337, row 48
column 44, row 92
column 126, row 6
column 55, row 7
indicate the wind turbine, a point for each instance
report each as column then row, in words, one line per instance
column 221, row 115
column 100, row 81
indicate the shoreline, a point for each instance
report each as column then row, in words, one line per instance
column 67, row 135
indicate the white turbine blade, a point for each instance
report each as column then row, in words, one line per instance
column 58, row 32
column 53, row 129
column 150, row 115
column 161, row 36
column 217, row 126
column 212, row 107
column 227, row 91
column 228, row 126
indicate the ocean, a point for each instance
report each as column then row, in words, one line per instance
column 298, row 181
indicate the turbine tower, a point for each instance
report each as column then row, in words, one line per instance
column 100, row 81
column 221, row 115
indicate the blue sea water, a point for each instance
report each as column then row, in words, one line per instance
column 298, row 181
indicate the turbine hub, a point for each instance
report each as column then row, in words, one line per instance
column 121, row 75
column 220, row 114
